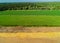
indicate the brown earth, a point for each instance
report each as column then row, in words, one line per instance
column 28, row 40
column 29, row 29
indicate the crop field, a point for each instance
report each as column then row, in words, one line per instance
column 30, row 18
column 31, row 12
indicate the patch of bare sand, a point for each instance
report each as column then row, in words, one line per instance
column 28, row 40
column 29, row 29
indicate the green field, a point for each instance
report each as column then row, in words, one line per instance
column 30, row 18
column 31, row 12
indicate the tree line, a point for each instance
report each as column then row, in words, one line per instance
column 29, row 6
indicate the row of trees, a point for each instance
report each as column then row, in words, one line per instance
column 28, row 6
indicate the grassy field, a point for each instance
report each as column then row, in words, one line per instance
column 30, row 18
column 31, row 12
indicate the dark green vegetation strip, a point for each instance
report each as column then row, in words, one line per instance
column 30, row 18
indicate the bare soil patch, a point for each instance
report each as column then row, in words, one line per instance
column 29, row 29
column 27, row 40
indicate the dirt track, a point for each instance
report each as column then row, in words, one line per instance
column 29, row 29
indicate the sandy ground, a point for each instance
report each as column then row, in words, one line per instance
column 29, row 30
column 28, row 40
